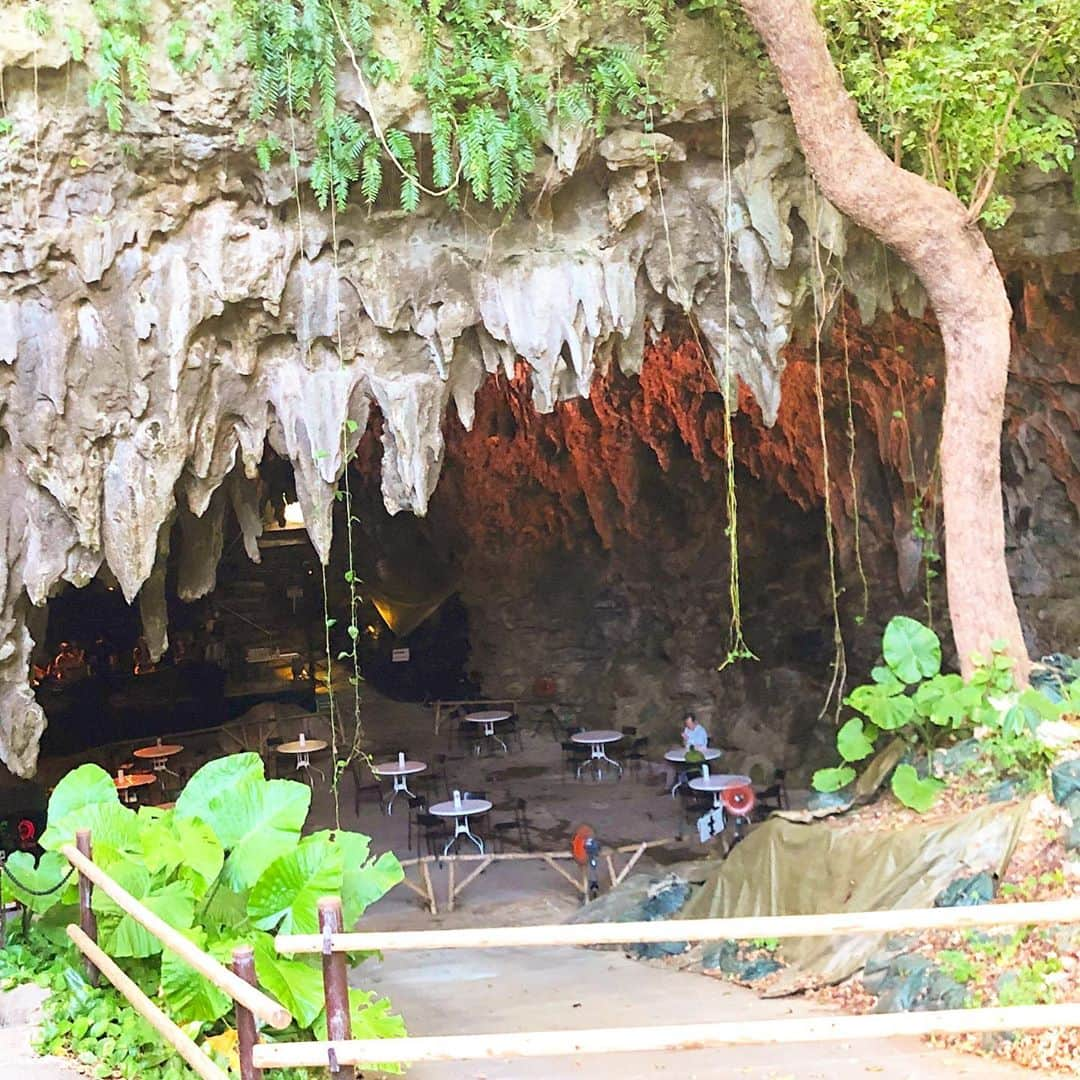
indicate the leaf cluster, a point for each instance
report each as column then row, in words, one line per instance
column 227, row 866
column 911, row 698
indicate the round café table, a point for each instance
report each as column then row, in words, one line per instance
column 302, row 749
column 399, row 771
column 596, row 741
column 677, row 756
column 159, row 754
column 126, row 783
column 461, row 812
column 489, row 720
column 718, row 782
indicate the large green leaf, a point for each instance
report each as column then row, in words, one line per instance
column 853, row 742
column 367, row 882
column 184, row 844
column 208, row 794
column 118, row 933
column 256, row 820
column 832, row 779
column 267, row 819
column 49, row 872
column 82, row 787
column 297, row 984
column 888, row 711
column 285, row 896
column 115, row 832
column 918, row 794
column 911, row 650
column 188, row 995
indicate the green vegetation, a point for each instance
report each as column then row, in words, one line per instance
column 912, row 699
column 962, row 91
column 227, row 867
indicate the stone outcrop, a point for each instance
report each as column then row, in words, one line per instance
column 168, row 311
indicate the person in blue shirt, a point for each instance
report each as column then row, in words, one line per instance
column 694, row 736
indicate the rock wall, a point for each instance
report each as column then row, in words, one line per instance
column 168, row 311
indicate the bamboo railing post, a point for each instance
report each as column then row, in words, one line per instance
column 243, row 963
column 87, row 919
column 335, row 984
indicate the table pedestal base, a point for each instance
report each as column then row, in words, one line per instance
column 595, row 758
column 461, row 828
column 401, row 783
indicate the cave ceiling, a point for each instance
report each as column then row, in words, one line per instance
column 166, row 316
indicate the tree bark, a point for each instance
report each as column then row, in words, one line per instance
column 927, row 227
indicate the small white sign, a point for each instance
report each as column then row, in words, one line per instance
column 711, row 825
column 399, row 656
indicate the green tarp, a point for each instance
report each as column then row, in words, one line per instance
column 786, row 868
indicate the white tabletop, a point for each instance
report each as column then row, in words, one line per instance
column 596, row 738
column 467, row 807
column 710, row 753
column 395, row 768
column 487, row 717
column 719, row 782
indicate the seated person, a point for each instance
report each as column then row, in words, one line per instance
column 695, row 738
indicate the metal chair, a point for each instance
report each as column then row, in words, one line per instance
column 574, row 754
column 519, row 823
column 774, row 797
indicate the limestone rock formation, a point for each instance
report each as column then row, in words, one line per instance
column 168, row 311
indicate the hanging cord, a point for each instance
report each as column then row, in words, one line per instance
column 823, row 304
column 26, row 888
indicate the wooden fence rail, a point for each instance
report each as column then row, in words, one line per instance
column 673, row 1037
column 169, row 1031
column 757, row 926
column 262, row 1006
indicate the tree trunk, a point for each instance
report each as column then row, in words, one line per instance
column 928, row 228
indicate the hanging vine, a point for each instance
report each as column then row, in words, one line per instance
column 823, row 304
column 737, row 646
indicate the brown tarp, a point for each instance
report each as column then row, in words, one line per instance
column 786, row 868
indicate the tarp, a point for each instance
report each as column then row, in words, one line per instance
column 786, row 868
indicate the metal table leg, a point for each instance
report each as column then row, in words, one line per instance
column 489, row 730
column 401, row 783
column 461, row 828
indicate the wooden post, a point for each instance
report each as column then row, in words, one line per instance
column 335, row 984
column 243, row 963
column 432, row 906
column 87, row 919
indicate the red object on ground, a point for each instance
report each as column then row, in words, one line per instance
column 738, row 800
column 577, row 844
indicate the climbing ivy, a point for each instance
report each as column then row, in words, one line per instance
column 490, row 100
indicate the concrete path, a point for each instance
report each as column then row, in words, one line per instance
column 459, row 992
column 19, row 1012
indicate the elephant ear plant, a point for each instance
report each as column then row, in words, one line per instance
column 912, row 699
column 227, row 866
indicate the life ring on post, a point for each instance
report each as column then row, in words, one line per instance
column 738, row 801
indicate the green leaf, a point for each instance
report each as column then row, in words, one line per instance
column 188, row 995
column 50, row 871
column 285, row 897
column 911, row 650
column 833, row 779
column 88, row 785
column 853, row 742
column 365, row 881
column 256, row 820
column 187, row 844
column 118, row 933
column 297, row 984
column 115, row 832
column 212, row 786
column 371, row 1019
column 917, row 794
